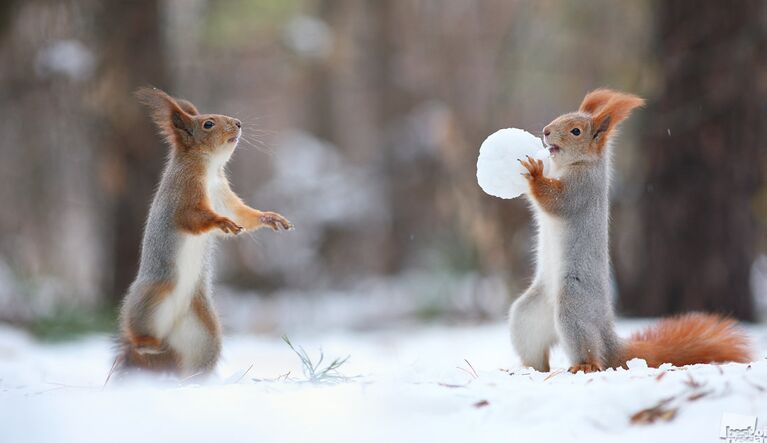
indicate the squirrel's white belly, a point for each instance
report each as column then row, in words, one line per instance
column 189, row 263
column 550, row 253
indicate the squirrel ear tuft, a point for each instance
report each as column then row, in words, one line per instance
column 187, row 106
column 153, row 98
column 594, row 100
column 608, row 109
column 173, row 121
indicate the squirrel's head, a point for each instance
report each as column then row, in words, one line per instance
column 185, row 129
column 582, row 136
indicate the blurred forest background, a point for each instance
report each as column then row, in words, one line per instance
column 363, row 120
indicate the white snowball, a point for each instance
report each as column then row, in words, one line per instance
column 498, row 171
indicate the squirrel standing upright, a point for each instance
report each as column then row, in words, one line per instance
column 569, row 300
column 167, row 319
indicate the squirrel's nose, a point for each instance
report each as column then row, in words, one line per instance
column 546, row 132
column 238, row 123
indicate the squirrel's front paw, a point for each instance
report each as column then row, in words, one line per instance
column 534, row 168
column 228, row 226
column 276, row 221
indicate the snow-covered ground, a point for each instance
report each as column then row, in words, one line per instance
column 459, row 384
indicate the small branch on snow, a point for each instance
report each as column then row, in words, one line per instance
column 471, row 371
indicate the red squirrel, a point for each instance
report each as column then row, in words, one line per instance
column 569, row 301
column 168, row 322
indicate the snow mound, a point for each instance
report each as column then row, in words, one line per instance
column 636, row 364
column 499, row 172
column 435, row 383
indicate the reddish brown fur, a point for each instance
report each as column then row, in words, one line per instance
column 252, row 218
column 165, row 361
column 146, row 351
column 153, row 295
column 187, row 106
column 145, row 341
column 249, row 217
column 195, row 214
column 689, row 339
column 545, row 190
column 195, row 139
column 595, row 99
column 605, row 104
column 163, row 107
column 203, row 312
column 180, row 123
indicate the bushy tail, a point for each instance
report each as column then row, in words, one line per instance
column 689, row 339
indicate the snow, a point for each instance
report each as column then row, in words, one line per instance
column 428, row 383
column 499, row 172
column 636, row 363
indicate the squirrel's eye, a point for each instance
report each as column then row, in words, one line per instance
column 575, row 131
column 208, row 124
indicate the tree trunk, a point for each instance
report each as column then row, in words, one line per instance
column 133, row 154
column 698, row 232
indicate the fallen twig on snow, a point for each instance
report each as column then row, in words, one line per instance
column 660, row 411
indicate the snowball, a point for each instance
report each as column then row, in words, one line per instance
column 498, row 171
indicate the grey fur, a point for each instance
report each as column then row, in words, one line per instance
column 159, row 251
column 580, row 310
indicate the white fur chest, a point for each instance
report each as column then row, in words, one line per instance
column 191, row 253
column 551, row 244
column 550, row 252
column 215, row 180
column 214, row 184
column 190, row 258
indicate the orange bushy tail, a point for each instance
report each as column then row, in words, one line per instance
column 689, row 339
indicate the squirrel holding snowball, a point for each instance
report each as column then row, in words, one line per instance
column 167, row 321
column 569, row 300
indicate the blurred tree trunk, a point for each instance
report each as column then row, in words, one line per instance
column 7, row 9
column 699, row 232
column 133, row 154
column 51, row 251
column 342, row 108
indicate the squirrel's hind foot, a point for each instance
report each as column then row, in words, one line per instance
column 585, row 368
column 146, row 353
